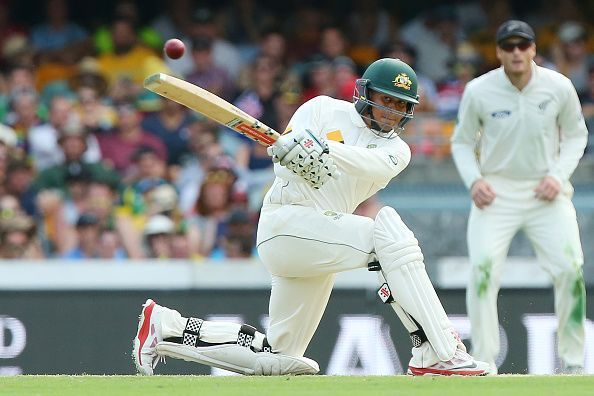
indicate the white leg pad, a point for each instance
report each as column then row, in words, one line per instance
column 239, row 359
column 402, row 315
column 402, row 263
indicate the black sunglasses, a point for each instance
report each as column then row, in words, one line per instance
column 510, row 46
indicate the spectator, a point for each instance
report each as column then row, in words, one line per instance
column 59, row 39
column 91, row 87
column 225, row 55
column 127, row 9
column 44, row 148
column 170, row 125
column 333, row 43
column 17, row 238
column 19, row 78
column 62, row 189
column 213, row 208
column 239, row 239
column 132, row 211
column 345, row 75
column 17, row 51
column 372, row 27
column 24, row 116
column 88, row 239
column 72, row 140
column 19, row 176
column 8, row 141
column 130, row 63
column 304, row 28
column 110, row 246
column 102, row 196
column 205, row 153
column 320, row 80
column 9, row 30
column 245, row 22
column 449, row 91
column 259, row 100
column 273, row 44
column 158, row 234
column 175, row 20
column 434, row 35
column 206, row 73
column 118, row 147
column 570, row 56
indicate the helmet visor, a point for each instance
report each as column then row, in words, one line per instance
column 387, row 129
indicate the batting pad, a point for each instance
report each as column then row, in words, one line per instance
column 402, row 262
column 239, row 359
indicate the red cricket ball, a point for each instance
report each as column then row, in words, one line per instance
column 174, row 48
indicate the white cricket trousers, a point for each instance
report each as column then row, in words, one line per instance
column 553, row 232
column 303, row 248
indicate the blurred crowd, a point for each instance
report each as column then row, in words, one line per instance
column 94, row 166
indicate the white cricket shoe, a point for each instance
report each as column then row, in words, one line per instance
column 148, row 335
column 462, row 364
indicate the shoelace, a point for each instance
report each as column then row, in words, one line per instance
column 159, row 359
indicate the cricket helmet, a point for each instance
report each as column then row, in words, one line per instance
column 392, row 77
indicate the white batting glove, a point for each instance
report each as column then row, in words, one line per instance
column 305, row 155
column 319, row 173
column 297, row 151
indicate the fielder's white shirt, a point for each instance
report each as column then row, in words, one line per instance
column 366, row 161
column 523, row 135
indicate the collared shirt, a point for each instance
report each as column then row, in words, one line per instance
column 366, row 161
column 523, row 135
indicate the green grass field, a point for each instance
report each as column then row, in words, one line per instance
column 507, row 385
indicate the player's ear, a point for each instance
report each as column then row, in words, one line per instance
column 498, row 53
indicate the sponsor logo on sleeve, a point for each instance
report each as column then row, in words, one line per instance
column 335, row 136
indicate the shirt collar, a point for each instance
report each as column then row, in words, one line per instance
column 356, row 117
column 533, row 77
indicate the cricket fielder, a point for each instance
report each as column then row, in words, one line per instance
column 333, row 156
column 528, row 123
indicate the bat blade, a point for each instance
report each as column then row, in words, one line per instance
column 211, row 106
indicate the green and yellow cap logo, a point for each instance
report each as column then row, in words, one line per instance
column 402, row 80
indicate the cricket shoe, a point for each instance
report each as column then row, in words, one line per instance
column 148, row 335
column 461, row 364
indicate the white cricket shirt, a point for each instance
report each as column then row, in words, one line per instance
column 523, row 135
column 366, row 161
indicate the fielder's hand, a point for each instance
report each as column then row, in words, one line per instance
column 547, row 189
column 482, row 193
column 305, row 155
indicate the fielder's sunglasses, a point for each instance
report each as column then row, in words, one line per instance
column 511, row 45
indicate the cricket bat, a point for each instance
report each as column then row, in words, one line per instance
column 211, row 106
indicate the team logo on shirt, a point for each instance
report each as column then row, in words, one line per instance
column 334, row 215
column 402, row 81
column 543, row 106
column 501, row 114
column 371, row 146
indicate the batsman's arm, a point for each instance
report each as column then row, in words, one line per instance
column 379, row 165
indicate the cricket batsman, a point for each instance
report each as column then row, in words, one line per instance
column 333, row 156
